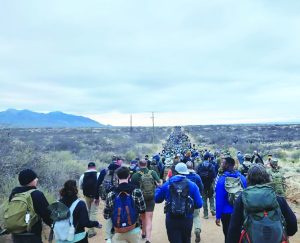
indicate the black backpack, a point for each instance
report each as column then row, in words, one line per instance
column 180, row 204
column 207, row 173
column 89, row 184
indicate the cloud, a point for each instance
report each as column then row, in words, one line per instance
column 135, row 57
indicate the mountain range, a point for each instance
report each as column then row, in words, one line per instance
column 30, row 119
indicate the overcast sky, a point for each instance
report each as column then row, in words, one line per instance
column 190, row 62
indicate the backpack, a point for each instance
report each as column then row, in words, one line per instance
column 62, row 217
column 234, row 187
column 263, row 219
column 19, row 215
column 207, row 172
column 89, row 184
column 179, row 204
column 124, row 215
column 147, row 185
column 277, row 182
column 109, row 182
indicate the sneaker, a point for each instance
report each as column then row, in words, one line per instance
column 108, row 241
column 213, row 213
column 205, row 216
column 197, row 237
column 143, row 236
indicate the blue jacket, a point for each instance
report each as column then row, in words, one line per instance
column 222, row 204
column 197, row 180
column 162, row 193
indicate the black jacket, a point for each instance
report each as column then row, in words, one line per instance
column 40, row 205
column 237, row 220
column 80, row 214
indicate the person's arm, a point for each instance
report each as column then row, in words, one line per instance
column 83, row 217
column 220, row 195
column 155, row 177
column 236, row 222
column 80, row 181
column 139, row 201
column 289, row 216
column 40, row 205
column 160, row 193
column 108, row 205
column 200, row 185
column 196, row 195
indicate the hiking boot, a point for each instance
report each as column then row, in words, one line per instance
column 197, row 235
column 213, row 213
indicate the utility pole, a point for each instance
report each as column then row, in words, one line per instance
column 152, row 117
column 131, row 123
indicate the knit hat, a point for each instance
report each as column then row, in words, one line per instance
column 91, row 164
column 26, row 176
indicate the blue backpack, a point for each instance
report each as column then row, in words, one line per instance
column 124, row 216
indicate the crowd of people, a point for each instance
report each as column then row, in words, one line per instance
column 244, row 193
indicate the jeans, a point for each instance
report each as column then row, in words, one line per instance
column 179, row 230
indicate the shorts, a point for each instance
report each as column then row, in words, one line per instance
column 150, row 205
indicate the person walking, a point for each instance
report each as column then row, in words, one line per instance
column 257, row 206
column 69, row 195
column 228, row 186
column 182, row 196
column 123, row 207
column 89, row 182
column 206, row 170
column 194, row 177
column 146, row 180
column 31, row 231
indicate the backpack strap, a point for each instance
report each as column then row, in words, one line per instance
column 72, row 208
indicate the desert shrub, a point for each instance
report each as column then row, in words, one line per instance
column 295, row 156
column 56, row 168
column 130, row 155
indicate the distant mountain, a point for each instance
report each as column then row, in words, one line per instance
column 27, row 118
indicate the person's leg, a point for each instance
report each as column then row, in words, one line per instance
column 197, row 224
column 205, row 206
column 212, row 201
column 133, row 236
column 187, row 226
column 143, row 218
column 107, row 229
column 149, row 217
column 92, row 209
column 174, row 231
column 225, row 218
